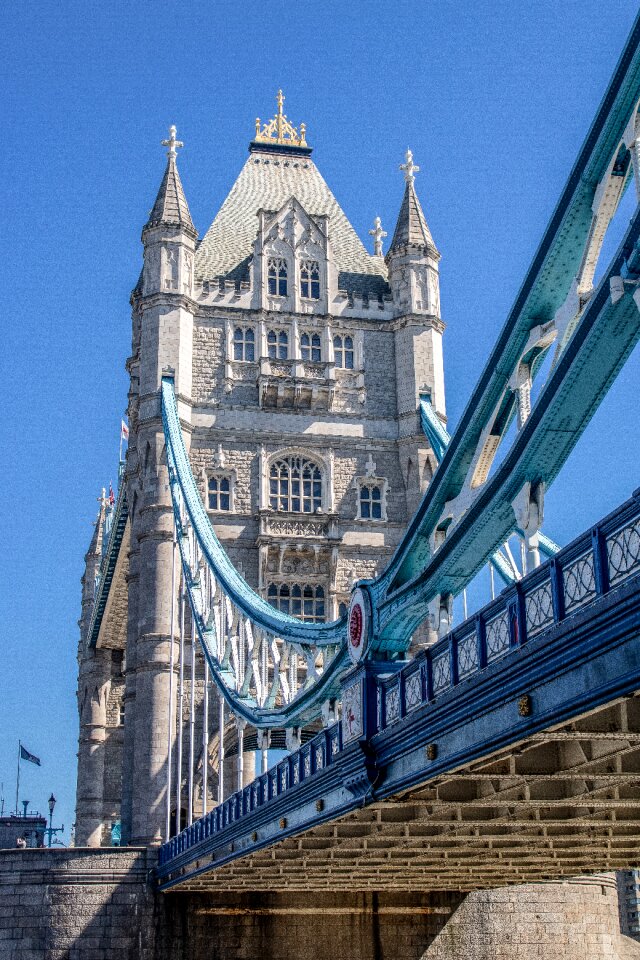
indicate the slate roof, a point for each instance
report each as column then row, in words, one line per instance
column 411, row 228
column 266, row 182
column 171, row 204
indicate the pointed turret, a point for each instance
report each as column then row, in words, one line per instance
column 413, row 257
column 171, row 207
column 412, row 228
column 94, row 674
column 412, row 261
column 163, row 315
column 92, row 560
column 169, row 235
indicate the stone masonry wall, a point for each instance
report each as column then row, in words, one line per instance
column 560, row 921
column 323, row 926
column 89, row 904
column 76, row 904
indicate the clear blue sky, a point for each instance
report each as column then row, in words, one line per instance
column 494, row 98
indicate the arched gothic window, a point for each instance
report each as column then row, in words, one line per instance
column 310, row 348
column 305, row 601
column 310, row 280
column 343, row 351
column 278, row 344
column 295, row 485
column 277, row 276
column 244, row 344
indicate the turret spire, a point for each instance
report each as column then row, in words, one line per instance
column 171, row 205
column 412, row 258
column 411, row 229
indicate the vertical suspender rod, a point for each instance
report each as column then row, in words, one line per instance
column 192, row 718
column 220, row 748
column 171, row 671
column 205, row 740
column 180, row 711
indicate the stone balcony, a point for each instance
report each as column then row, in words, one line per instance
column 299, row 384
column 296, row 383
column 297, row 526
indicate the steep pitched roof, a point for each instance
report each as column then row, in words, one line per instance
column 171, row 204
column 266, row 182
column 411, row 228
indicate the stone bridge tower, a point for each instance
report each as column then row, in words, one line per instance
column 300, row 360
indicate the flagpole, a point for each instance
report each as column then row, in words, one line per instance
column 18, row 776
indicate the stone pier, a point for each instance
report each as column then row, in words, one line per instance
column 88, row 904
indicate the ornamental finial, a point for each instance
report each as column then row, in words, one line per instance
column 279, row 129
column 377, row 233
column 172, row 143
column 409, row 167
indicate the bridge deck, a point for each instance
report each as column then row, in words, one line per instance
column 509, row 751
column 556, row 804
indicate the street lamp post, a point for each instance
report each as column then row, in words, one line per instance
column 51, row 830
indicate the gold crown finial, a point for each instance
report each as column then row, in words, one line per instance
column 279, row 130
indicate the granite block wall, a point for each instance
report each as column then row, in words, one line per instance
column 99, row 904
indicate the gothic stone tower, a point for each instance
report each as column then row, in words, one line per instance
column 299, row 362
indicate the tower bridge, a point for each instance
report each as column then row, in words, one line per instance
column 292, row 525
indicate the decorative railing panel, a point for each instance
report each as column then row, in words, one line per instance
column 468, row 660
column 623, row 549
column 498, row 640
column 579, row 582
column 539, row 608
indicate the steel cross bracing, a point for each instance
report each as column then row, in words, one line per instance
column 275, row 670
column 502, row 560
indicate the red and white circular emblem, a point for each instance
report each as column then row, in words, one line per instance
column 358, row 625
column 355, row 625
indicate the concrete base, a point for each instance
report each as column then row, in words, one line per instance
column 87, row 904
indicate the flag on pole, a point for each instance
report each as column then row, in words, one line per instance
column 31, row 757
column 112, row 498
column 124, row 431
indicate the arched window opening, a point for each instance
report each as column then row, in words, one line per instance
column 278, row 344
column 343, row 351
column 244, row 344
column 310, row 348
column 277, row 276
column 304, row 601
column 310, row 280
column 295, row 486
